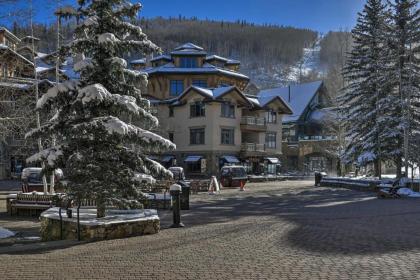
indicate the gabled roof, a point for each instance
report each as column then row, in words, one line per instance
column 10, row 34
column 161, row 57
column 6, row 48
column 207, row 68
column 214, row 93
column 262, row 103
column 189, row 46
column 189, row 49
column 300, row 97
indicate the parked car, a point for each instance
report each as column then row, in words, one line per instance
column 233, row 176
column 145, row 178
column 32, row 179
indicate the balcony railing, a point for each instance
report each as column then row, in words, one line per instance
column 249, row 120
column 252, row 147
column 253, row 123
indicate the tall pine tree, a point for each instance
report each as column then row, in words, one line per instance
column 102, row 115
column 402, row 77
column 363, row 93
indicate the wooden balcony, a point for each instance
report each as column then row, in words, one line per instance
column 252, row 149
column 250, row 123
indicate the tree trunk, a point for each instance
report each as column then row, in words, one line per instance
column 399, row 166
column 377, row 166
column 100, row 208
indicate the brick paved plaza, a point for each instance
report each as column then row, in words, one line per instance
column 281, row 230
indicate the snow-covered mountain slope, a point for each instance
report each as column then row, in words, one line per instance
column 282, row 75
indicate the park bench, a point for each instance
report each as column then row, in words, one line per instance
column 30, row 203
column 199, row 185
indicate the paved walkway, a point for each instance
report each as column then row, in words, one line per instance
column 282, row 230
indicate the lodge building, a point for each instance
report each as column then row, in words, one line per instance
column 201, row 107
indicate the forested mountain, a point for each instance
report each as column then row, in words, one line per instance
column 271, row 55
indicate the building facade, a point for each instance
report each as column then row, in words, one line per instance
column 200, row 105
column 308, row 142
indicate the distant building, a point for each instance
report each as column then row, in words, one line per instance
column 199, row 101
column 307, row 143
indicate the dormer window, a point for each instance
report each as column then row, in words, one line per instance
column 188, row 62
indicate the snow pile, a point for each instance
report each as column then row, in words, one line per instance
column 5, row 233
column 408, row 192
column 106, row 38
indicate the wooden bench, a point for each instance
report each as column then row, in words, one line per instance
column 199, row 186
column 31, row 202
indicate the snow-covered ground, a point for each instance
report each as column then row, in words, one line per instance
column 5, row 233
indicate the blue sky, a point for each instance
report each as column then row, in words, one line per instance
column 320, row 15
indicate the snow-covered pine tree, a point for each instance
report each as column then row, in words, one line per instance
column 362, row 92
column 94, row 133
column 402, row 79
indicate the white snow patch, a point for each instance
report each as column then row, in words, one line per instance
column 105, row 38
column 5, row 233
column 50, row 155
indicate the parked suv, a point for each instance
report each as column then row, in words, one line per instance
column 233, row 176
column 32, row 179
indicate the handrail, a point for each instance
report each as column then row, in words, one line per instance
column 250, row 120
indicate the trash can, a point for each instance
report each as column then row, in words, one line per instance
column 185, row 196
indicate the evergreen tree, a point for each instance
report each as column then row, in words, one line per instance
column 101, row 116
column 363, row 92
column 402, row 76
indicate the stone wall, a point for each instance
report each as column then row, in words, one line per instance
column 50, row 229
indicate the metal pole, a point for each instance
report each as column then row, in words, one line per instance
column 78, row 221
column 175, row 191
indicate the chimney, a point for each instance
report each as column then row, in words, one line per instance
column 289, row 93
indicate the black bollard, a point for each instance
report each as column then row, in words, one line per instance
column 175, row 192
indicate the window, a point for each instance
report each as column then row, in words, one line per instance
column 176, row 87
column 188, row 62
column 200, row 83
column 227, row 136
column 171, row 136
column 171, row 111
column 271, row 117
column 197, row 109
column 228, row 110
column 197, row 136
column 194, row 167
column 270, row 140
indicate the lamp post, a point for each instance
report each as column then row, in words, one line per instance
column 175, row 191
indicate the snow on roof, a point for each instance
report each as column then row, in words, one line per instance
column 138, row 61
column 233, row 61
column 207, row 68
column 216, row 57
column 159, row 57
column 300, row 97
column 188, row 52
column 189, row 46
column 10, row 34
column 26, row 38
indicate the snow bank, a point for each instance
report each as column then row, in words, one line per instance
column 408, row 192
column 5, row 233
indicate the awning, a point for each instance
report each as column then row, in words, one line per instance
column 273, row 160
column 167, row 158
column 192, row 158
column 230, row 159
